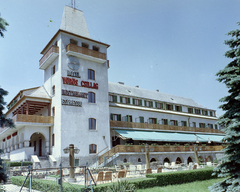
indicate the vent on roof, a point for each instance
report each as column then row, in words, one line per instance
column 137, row 86
column 157, row 90
column 120, row 83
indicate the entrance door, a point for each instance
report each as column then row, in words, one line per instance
column 40, row 147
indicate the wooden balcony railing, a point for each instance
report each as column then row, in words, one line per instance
column 53, row 49
column 119, row 124
column 86, row 51
column 33, row 118
column 160, row 148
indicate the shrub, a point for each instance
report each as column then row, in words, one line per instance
column 121, row 186
column 179, row 177
column 19, row 163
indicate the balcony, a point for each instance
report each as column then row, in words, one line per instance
column 160, row 148
column 49, row 57
column 22, row 118
column 123, row 124
column 85, row 53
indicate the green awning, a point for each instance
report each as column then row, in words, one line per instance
column 166, row 136
column 212, row 138
column 157, row 136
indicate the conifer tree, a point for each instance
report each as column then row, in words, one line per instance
column 230, row 75
column 3, row 24
column 3, row 121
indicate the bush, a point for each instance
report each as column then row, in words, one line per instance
column 19, row 163
column 121, row 186
column 179, row 177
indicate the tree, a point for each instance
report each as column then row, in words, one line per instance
column 3, row 24
column 230, row 75
column 4, row 122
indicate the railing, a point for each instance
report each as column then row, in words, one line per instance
column 160, row 148
column 86, row 51
column 124, row 124
column 53, row 49
column 33, row 118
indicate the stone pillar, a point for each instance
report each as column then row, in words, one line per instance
column 26, row 143
column 12, row 147
column 20, row 145
column 47, row 148
column 16, row 146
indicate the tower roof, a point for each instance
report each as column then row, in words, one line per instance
column 73, row 21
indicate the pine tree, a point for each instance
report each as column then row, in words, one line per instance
column 3, row 121
column 3, row 24
column 230, row 75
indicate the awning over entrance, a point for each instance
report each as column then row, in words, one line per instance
column 166, row 136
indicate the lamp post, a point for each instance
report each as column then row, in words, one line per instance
column 71, row 150
column 147, row 150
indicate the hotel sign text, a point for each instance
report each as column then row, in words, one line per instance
column 72, row 81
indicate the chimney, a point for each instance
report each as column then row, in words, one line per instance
column 157, row 90
column 122, row 83
column 137, row 86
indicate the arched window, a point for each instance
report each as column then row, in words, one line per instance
column 91, row 97
column 166, row 160
column 91, row 74
column 92, row 124
column 125, row 160
column 153, row 160
column 139, row 160
column 92, row 148
column 178, row 160
column 189, row 160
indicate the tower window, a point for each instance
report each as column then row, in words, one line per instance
column 95, row 48
column 74, row 42
column 53, row 70
column 92, row 148
column 91, row 74
column 53, row 90
column 85, row 45
column 91, row 97
column 92, row 124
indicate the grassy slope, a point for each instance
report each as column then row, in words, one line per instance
column 198, row 186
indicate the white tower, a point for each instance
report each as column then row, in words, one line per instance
column 76, row 76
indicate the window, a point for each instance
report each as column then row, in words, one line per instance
column 169, row 107
column 91, row 97
column 35, row 145
column 204, row 112
column 190, row 110
column 210, row 126
column 211, row 113
column 112, row 98
column 178, row 108
column 216, row 127
column 115, row 117
column 202, row 125
column 127, row 118
column 148, row 103
column 184, row 123
column 197, row 111
column 95, row 48
column 53, row 111
column 141, row 119
column 137, row 102
column 85, row 45
column 165, row 121
column 153, row 120
column 92, row 148
column 123, row 99
column 53, row 70
column 159, row 105
column 53, row 137
column 53, row 90
column 139, row 160
column 92, row 124
column 74, row 42
column 91, row 74
column 193, row 124
column 173, row 122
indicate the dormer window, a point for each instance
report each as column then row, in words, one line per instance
column 95, row 48
column 74, row 42
column 85, row 45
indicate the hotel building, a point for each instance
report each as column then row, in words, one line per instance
column 109, row 122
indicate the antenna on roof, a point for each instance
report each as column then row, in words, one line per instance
column 73, row 4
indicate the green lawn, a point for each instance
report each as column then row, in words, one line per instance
column 198, row 186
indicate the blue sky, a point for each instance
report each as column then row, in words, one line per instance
column 176, row 46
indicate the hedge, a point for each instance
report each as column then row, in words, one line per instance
column 19, row 163
column 179, row 177
column 39, row 184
